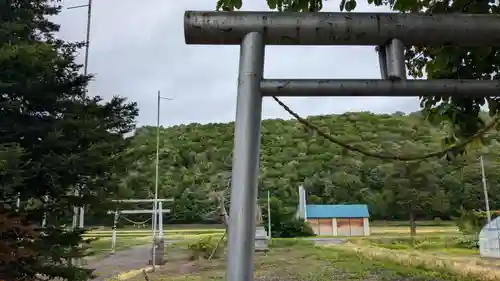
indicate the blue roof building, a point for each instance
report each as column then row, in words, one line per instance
column 335, row 220
column 337, row 211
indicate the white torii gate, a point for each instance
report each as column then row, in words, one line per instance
column 159, row 211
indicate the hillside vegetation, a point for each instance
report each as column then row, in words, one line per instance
column 196, row 159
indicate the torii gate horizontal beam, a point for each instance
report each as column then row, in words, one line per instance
column 378, row 88
column 229, row 28
column 138, row 211
column 142, row 200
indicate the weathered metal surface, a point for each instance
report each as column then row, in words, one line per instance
column 229, row 28
column 378, row 88
column 245, row 170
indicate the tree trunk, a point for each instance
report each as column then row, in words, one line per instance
column 413, row 224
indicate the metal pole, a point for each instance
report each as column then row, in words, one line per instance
column 160, row 220
column 382, row 61
column 82, row 217
column 395, row 55
column 155, row 202
column 269, row 214
column 44, row 220
column 378, row 88
column 245, row 170
column 157, row 164
column 372, row 29
column 18, row 201
column 87, row 38
column 80, row 223
column 87, row 33
column 85, row 72
column 485, row 189
column 113, row 234
column 75, row 213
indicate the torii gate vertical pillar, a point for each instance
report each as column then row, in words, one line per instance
column 245, row 160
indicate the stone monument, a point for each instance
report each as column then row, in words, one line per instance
column 159, row 252
column 261, row 239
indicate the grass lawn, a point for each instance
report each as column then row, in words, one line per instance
column 297, row 260
column 102, row 247
column 130, row 237
column 434, row 252
column 388, row 254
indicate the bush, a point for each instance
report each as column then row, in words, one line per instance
column 467, row 242
column 292, row 228
column 204, row 247
column 470, row 222
column 287, row 243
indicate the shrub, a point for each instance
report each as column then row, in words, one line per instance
column 470, row 222
column 467, row 242
column 293, row 228
column 204, row 247
column 287, row 243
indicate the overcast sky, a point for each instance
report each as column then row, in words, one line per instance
column 137, row 48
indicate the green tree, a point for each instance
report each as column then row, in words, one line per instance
column 415, row 188
column 446, row 62
column 292, row 156
column 54, row 139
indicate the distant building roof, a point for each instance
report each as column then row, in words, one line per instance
column 337, row 211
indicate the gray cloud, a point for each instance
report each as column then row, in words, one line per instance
column 137, row 48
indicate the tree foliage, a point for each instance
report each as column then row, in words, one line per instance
column 55, row 139
column 445, row 62
column 471, row 222
column 196, row 159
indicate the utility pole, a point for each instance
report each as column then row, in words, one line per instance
column 79, row 220
column 87, row 36
column 485, row 189
column 157, row 164
column 269, row 214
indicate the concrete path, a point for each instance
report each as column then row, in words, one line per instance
column 122, row 261
column 326, row 241
column 138, row 257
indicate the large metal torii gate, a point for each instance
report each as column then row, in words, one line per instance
column 389, row 31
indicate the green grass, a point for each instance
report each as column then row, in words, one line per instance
column 102, row 247
column 389, row 254
column 128, row 237
column 407, row 223
column 449, row 253
column 295, row 259
column 436, row 243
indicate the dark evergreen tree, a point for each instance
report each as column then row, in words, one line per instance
column 55, row 138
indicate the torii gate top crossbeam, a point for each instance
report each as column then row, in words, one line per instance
column 229, row 28
column 142, row 200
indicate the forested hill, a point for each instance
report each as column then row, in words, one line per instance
column 196, row 159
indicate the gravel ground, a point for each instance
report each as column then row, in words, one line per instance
column 326, row 241
column 122, row 261
column 138, row 257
